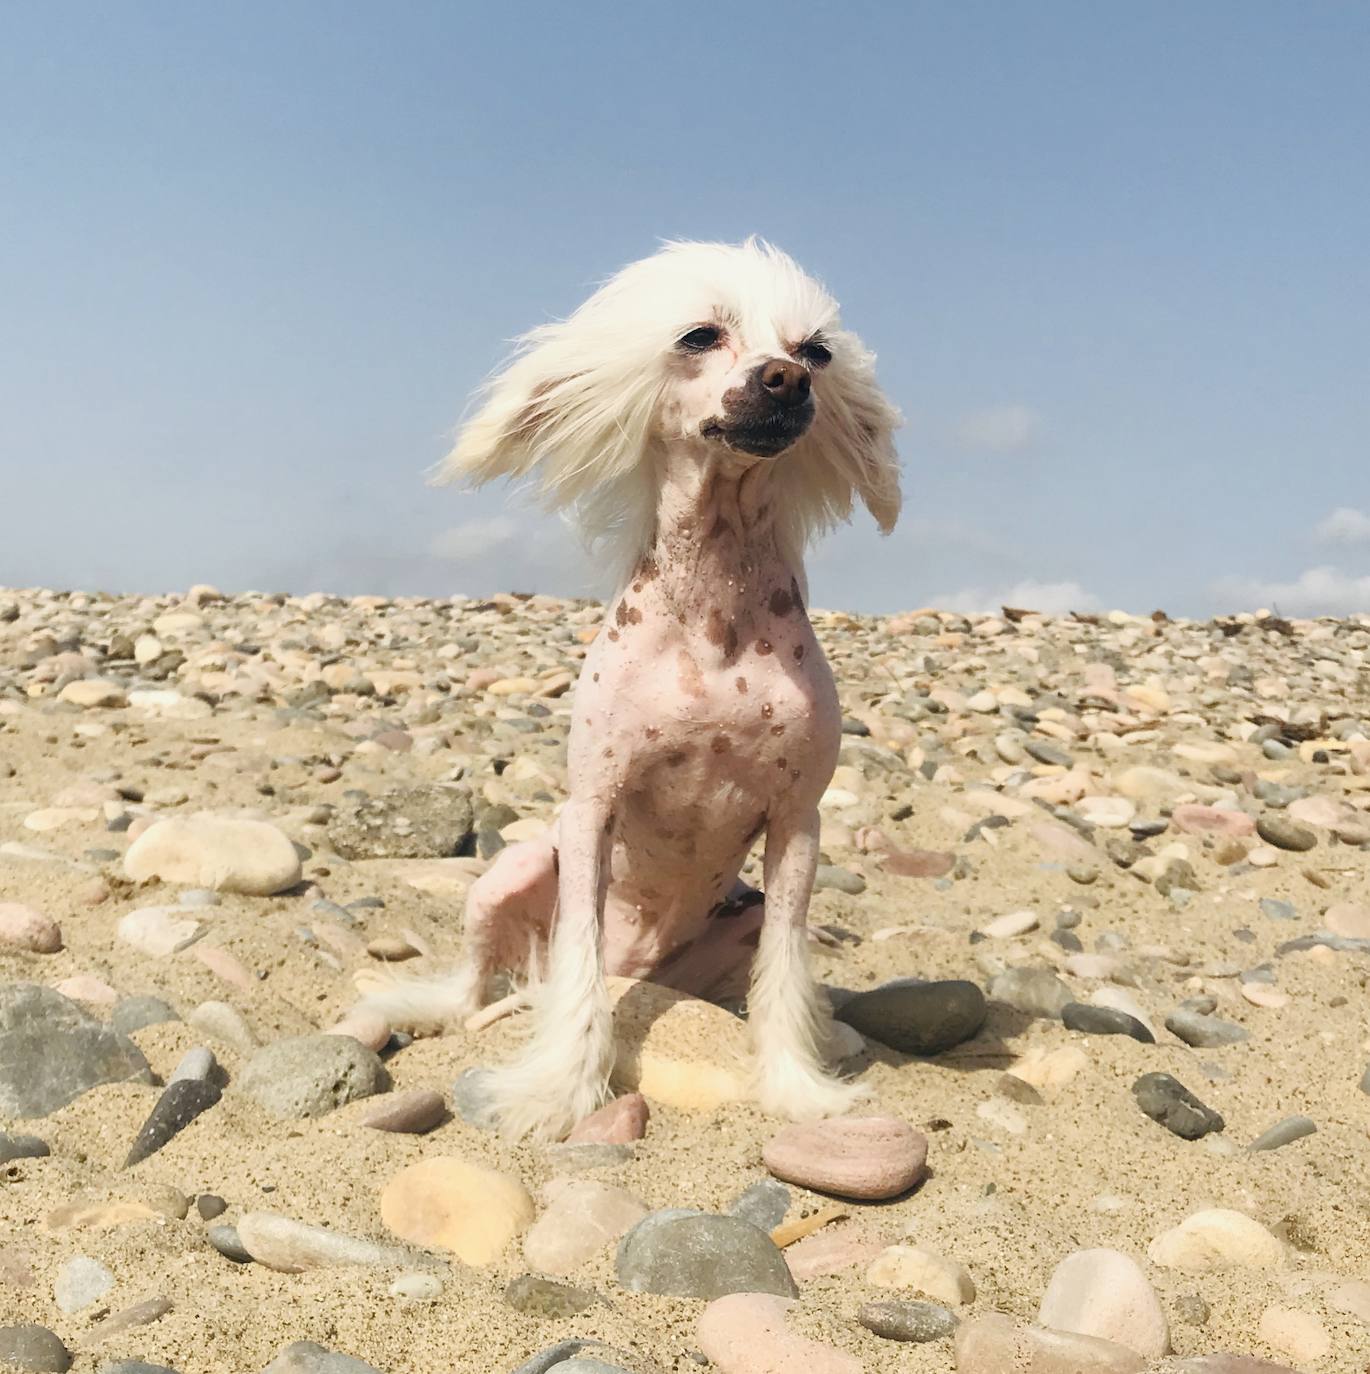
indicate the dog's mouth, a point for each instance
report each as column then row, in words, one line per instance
column 761, row 435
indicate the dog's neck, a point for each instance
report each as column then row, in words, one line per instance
column 716, row 557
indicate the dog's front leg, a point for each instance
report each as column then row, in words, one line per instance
column 786, row 1011
column 562, row 1073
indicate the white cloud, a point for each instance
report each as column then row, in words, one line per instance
column 476, row 539
column 1345, row 525
column 1000, row 429
column 1050, row 598
column 1316, row 591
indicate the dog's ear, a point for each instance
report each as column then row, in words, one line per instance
column 869, row 435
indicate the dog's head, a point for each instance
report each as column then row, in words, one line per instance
column 707, row 347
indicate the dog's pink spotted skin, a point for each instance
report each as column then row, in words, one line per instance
column 705, row 413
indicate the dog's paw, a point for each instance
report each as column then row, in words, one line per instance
column 521, row 1101
column 800, row 1092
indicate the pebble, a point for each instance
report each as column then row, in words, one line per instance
column 749, row 1333
column 52, row 1051
column 228, row 1243
column 996, row 1344
column 1192, row 818
column 196, row 1065
column 305, row 1357
column 1094, row 1020
column 368, row 1028
column 136, row 1367
column 1204, row 1032
column 416, row 1287
column 1104, row 1293
column 224, row 1022
column 138, row 1013
column 1348, row 919
column 1217, row 1238
column 924, row 1271
column 291, row 1246
column 223, row 853
column 570, row 1357
column 80, row 1282
column 1300, row 1335
column 764, row 1204
column 918, row 1322
column 140, row 1314
column 408, row 1113
column 539, row 1297
column 917, row 1017
column 1033, row 991
column 26, row 930
column 446, row 1203
column 22, row 1147
column 1166, row 1100
column 1286, row 833
column 1283, row 1133
column 830, row 1251
column 582, row 1217
column 311, row 1075
column 867, row 1158
column 181, row 1102
column 1008, row 926
column 688, row 1254
column 157, row 932
column 33, row 1348
column 619, row 1122
column 1352, row 1298
column 210, row 1205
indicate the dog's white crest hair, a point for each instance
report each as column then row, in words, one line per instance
column 574, row 409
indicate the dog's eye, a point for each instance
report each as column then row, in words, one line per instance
column 814, row 353
column 701, row 340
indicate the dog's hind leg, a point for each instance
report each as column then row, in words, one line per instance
column 562, row 1073
column 508, row 914
column 785, row 1007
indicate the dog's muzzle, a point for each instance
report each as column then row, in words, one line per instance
column 765, row 415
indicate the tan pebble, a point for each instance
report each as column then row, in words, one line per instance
column 367, row 1027
column 1217, row 1238
column 923, row 1271
column 858, row 1157
column 582, row 1218
column 24, row 928
column 1300, row 1335
column 996, row 1344
column 1046, row 1069
column 447, row 1204
column 226, row 853
column 391, row 948
column 1349, row 919
column 830, row 1252
column 1263, row 995
column 85, row 987
column 1263, row 857
column 91, row 692
column 749, row 1333
column 408, row 1113
column 1104, row 1293
column 1006, row 927
column 225, row 965
column 1353, row 1297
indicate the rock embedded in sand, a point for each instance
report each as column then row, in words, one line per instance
column 1170, row 1104
column 872, row 1157
column 33, row 1348
column 1284, row 1133
column 763, row 1203
column 305, row 1357
column 224, row 853
column 1095, row 1020
column 420, row 821
column 415, row 1112
column 180, row 1103
column 1217, row 1238
column 916, row 1322
column 22, row 1147
column 25, row 930
column 916, row 1017
column 619, row 1122
column 223, row 1021
column 539, row 1297
column 80, row 1282
column 1033, row 991
column 1192, row 818
column 676, row 1049
column 447, row 1203
column 924, row 1271
column 1204, row 1032
column 1300, row 1335
column 92, row 693
column 1104, row 1293
column 311, row 1075
column 749, row 1333
column 52, row 1051
column 582, row 1216
column 687, row 1254
column 157, row 932
column 995, row 1344
column 293, row 1246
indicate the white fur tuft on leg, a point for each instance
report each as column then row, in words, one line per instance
column 787, row 1016
column 423, row 1005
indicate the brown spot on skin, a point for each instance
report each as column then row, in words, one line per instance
column 721, row 744
column 613, row 635
column 799, row 653
column 730, row 642
column 782, row 763
column 609, row 753
column 652, row 732
column 627, row 615
column 647, row 569
column 777, row 729
column 763, row 647
column 782, row 603
column 594, row 677
column 676, row 759
column 741, row 685
column 796, row 774
column 637, row 588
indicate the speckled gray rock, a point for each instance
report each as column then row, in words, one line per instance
column 33, row 1349
column 305, row 1357
column 311, row 1075
column 908, row 1321
column 421, row 822
column 51, row 1051
column 1204, row 1032
column 689, row 1254
column 1033, row 991
column 540, row 1297
column 1168, row 1102
column 915, row 1017
column 180, row 1103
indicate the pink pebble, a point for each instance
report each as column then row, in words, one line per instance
column 367, row 1027
column 85, row 987
column 1195, row 819
column 408, row 1113
column 227, row 966
column 830, row 1252
column 23, row 928
column 856, row 1157
column 748, row 1333
column 619, row 1122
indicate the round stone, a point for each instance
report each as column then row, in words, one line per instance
column 29, row 931
column 915, row 1017
column 1217, row 1238
column 856, row 1157
column 34, row 1349
column 225, row 853
column 1104, row 1293
column 1286, row 833
column 689, row 1254
column 446, row 1203
column 918, row 1322
column 311, row 1075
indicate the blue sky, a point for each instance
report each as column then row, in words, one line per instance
column 1113, row 258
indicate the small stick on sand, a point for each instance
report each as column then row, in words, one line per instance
column 790, row 1231
column 497, row 1011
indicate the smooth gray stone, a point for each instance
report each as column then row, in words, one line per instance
column 908, row 1321
column 561, row 1354
column 33, row 1349
column 1092, row 1020
column 915, row 1017
column 305, row 1357
column 196, row 1064
column 1204, row 1032
column 137, row 1013
column 311, row 1075
column 22, row 1147
column 689, row 1254
column 1033, row 991
column 136, row 1367
column 1284, row 832
column 764, row 1204
column 51, row 1051
column 1283, row 1132
column 180, row 1103
column 226, row 1241
column 1168, row 1102
column 471, row 1099
column 1277, row 909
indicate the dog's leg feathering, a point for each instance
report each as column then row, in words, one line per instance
column 785, row 1007
column 562, row 1074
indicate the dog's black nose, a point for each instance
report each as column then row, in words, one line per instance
column 786, row 383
